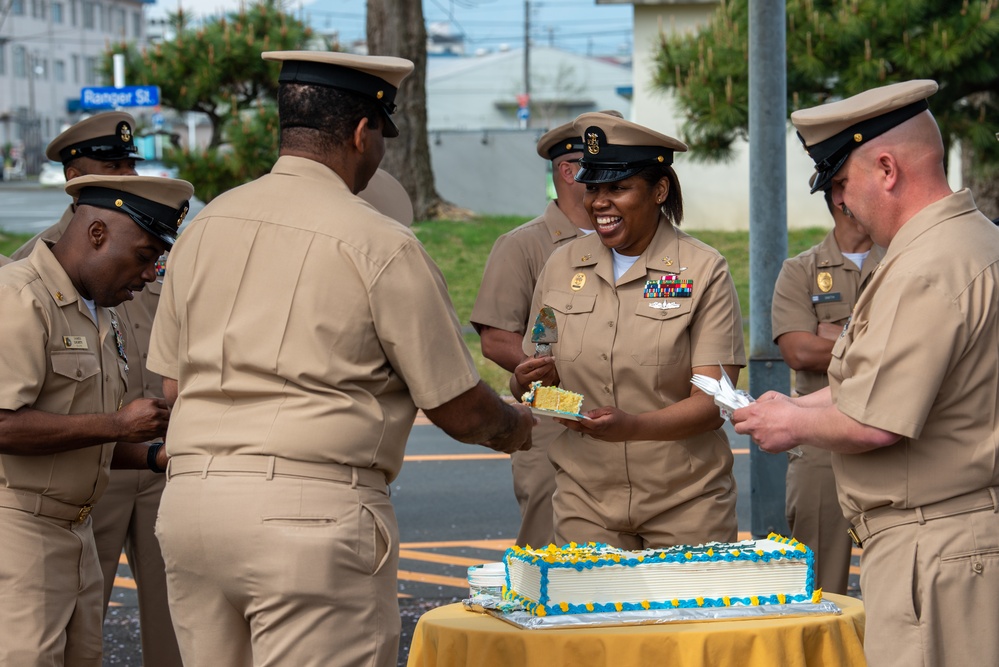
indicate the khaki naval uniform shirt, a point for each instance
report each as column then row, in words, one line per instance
column 504, row 302
column 919, row 359
column 621, row 346
column 513, row 267
column 301, row 323
column 56, row 359
column 930, row 308
column 818, row 285
column 4, row 260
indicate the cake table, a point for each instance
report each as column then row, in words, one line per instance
column 450, row 636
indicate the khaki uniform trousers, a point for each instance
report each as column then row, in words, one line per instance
column 269, row 570
column 816, row 518
column 632, row 506
column 124, row 518
column 931, row 591
column 50, row 592
column 534, row 485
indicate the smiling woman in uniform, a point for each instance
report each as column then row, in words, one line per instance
column 640, row 307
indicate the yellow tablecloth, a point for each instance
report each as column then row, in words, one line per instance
column 450, row 636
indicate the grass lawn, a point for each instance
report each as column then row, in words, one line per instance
column 461, row 248
column 11, row 242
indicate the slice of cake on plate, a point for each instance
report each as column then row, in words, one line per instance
column 552, row 398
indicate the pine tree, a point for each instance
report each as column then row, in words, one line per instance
column 216, row 69
column 837, row 48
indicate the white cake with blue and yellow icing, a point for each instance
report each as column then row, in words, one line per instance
column 589, row 578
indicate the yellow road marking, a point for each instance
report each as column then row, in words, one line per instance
column 409, row 554
column 497, row 545
column 455, row 457
column 440, row 580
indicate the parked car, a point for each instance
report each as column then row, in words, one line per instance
column 155, row 168
column 52, row 175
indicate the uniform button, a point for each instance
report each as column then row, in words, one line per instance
column 107, row 378
column 568, row 306
column 143, row 355
column 604, row 357
column 136, row 326
column 610, row 324
column 79, row 374
column 607, row 390
column 977, row 567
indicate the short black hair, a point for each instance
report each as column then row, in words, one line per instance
column 320, row 116
column 673, row 206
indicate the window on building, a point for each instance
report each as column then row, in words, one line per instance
column 118, row 17
column 57, row 12
column 137, row 24
column 39, row 9
column 17, row 7
column 91, row 75
column 20, row 62
column 74, row 19
column 41, row 68
column 3, row 58
column 76, row 69
column 59, row 71
column 89, row 15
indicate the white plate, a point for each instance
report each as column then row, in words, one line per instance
column 555, row 413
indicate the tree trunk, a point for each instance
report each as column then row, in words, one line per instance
column 396, row 28
column 983, row 184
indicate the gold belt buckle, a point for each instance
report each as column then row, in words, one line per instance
column 84, row 513
column 853, row 536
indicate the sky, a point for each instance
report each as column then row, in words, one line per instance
column 581, row 26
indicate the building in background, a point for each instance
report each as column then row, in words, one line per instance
column 715, row 195
column 49, row 49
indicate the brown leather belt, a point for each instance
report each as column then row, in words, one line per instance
column 274, row 466
column 40, row 505
column 880, row 519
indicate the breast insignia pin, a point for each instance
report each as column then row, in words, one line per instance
column 578, row 281
column 824, row 281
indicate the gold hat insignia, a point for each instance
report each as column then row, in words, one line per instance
column 592, row 143
column 119, row 203
column 183, row 214
column 824, row 281
column 125, row 132
column 858, row 137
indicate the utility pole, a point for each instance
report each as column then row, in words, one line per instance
column 527, row 63
column 767, row 242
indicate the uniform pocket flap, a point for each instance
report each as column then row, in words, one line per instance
column 75, row 365
column 569, row 303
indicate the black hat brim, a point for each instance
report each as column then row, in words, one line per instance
column 596, row 175
column 823, row 178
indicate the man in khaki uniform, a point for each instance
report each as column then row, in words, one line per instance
column 64, row 368
column 502, row 314
column 126, row 514
column 910, row 414
column 300, row 329
column 813, row 298
column 640, row 306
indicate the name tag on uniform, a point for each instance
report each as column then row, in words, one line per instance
column 75, row 342
column 826, row 298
